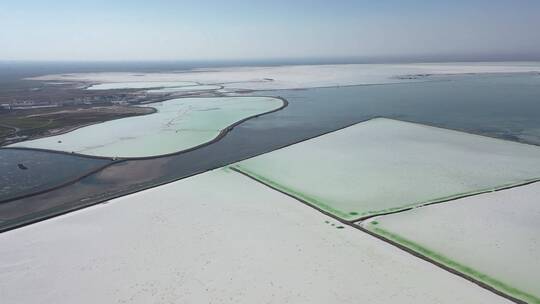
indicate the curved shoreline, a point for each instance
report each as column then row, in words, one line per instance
column 218, row 137
column 47, row 215
column 223, row 133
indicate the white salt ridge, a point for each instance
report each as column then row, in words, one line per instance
column 383, row 165
column 179, row 124
column 140, row 85
column 214, row 238
column 185, row 89
column 305, row 76
column 494, row 233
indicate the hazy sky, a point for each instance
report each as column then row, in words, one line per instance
column 234, row 29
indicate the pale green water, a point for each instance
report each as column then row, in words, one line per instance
column 179, row 124
column 492, row 237
column 220, row 228
column 384, row 165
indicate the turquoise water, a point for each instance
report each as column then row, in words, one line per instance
column 177, row 125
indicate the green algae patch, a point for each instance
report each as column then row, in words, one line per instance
column 441, row 258
column 492, row 237
column 317, row 202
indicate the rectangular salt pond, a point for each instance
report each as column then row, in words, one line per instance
column 215, row 237
column 179, row 124
column 140, row 85
column 492, row 237
column 384, row 165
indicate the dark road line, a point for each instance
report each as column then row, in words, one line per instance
column 352, row 224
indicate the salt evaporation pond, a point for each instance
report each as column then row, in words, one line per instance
column 185, row 89
column 177, row 125
column 385, row 165
column 492, row 237
column 215, row 237
column 140, row 85
column 477, row 104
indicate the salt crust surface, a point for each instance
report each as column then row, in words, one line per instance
column 305, row 76
column 383, row 165
column 494, row 233
column 218, row 237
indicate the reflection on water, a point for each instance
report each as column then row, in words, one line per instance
column 507, row 107
column 177, row 125
column 24, row 171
